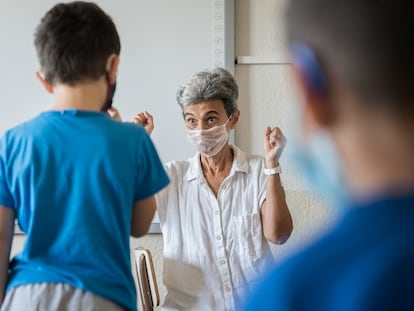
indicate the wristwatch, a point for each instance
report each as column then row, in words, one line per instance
column 272, row 171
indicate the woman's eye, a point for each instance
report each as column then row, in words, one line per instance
column 191, row 123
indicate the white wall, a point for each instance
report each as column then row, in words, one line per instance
column 267, row 94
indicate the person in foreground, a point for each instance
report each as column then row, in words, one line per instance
column 222, row 205
column 79, row 183
column 354, row 66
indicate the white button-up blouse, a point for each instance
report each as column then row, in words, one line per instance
column 214, row 248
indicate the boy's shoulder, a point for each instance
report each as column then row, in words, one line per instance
column 73, row 122
column 22, row 127
column 358, row 252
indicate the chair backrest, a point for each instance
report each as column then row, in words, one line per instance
column 147, row 282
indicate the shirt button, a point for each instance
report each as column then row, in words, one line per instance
column 222, row 262
column 217, row 212
column 218, row 237
column 224, row 187
column 228, row 289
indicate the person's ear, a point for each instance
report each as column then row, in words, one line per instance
column 312, row 84
column 112, row 68
column 46, row 85
column 234, row 118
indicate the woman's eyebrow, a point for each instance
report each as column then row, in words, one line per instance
column 188, row 114
column 212, row 112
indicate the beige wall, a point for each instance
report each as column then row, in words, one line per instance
column 266, row 98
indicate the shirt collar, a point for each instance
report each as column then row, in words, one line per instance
column 240, row 164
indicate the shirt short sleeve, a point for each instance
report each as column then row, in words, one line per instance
column 151, row 174
column 6, row 198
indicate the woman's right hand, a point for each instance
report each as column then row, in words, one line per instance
column 146, row 120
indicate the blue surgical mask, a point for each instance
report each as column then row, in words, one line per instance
column 317, row 160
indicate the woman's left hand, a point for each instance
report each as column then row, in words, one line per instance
column 274, row 143
column 146, row 120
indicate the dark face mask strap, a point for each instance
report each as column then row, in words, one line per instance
column 109, row 96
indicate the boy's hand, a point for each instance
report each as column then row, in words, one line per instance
column 146, row 120
column 274, row 143
column 114, row 114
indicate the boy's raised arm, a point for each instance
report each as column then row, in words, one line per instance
column 142, row 215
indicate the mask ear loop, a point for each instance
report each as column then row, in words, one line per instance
column 305, row 58
column 109, row 96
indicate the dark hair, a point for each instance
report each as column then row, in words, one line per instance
column 74, row 41
column 366, row 45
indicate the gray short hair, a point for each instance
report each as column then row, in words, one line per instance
column 210, row 85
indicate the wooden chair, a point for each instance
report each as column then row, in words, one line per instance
column 147, row 282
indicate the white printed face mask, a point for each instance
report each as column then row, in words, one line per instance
column 209, row 142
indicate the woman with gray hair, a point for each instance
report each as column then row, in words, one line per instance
column 221, row 206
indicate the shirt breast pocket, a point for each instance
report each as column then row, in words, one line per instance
column 251, row 248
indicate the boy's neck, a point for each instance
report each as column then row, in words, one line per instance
column 89, row 95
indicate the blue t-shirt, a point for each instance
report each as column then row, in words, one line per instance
column 72, row 177
column 365, row 263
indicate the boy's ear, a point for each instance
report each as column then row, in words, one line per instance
column 47, row 86
column 312, row 85
column 234, row 118
column 112, row 68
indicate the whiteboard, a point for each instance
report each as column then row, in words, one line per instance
column 163, row 43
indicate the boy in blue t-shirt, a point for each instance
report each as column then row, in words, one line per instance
column 79, row 183
column 354, row 64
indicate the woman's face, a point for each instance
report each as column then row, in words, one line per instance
column 205, row 115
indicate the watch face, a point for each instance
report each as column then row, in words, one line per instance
column 272, row 171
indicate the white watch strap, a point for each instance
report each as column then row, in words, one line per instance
column 272, row 171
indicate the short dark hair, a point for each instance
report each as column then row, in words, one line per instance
column 367, row 44
column 74, row 41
